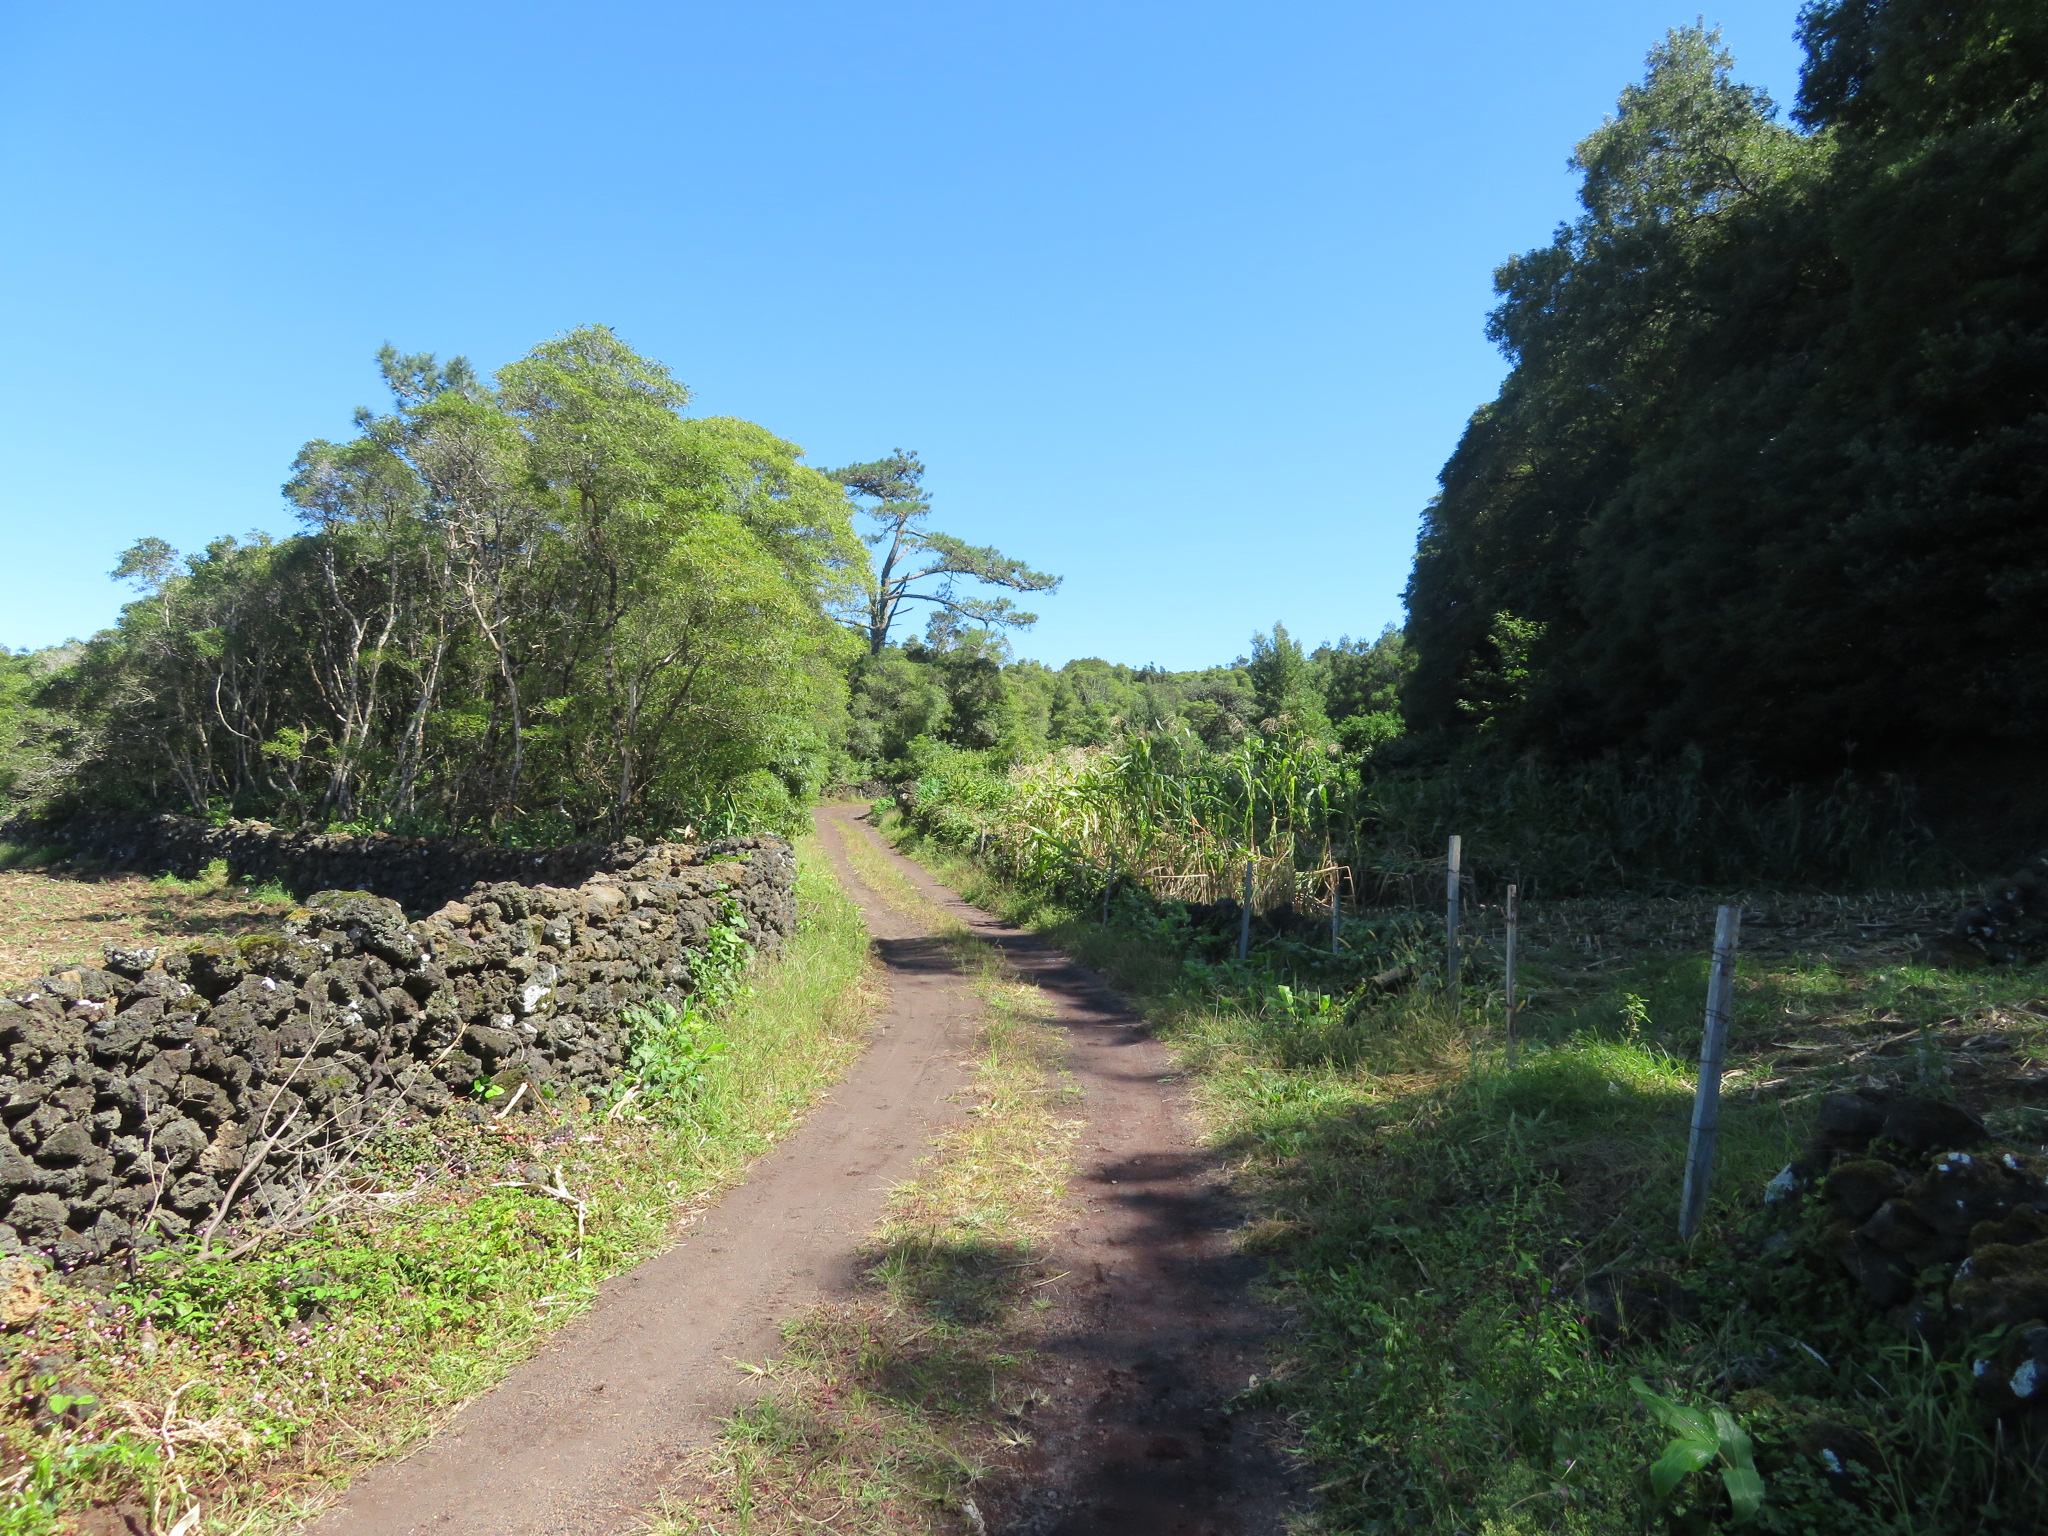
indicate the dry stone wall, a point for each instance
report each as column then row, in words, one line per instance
column 144, row 1098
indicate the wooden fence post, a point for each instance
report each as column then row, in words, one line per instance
column 1108, row 886
column 1706, row 1102
column 1244, row 920
column 1336, row 907
column 1514, row 931
column 1452, row 877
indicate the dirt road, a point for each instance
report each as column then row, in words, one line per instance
column 1154, row 1333
column 1157, row 1331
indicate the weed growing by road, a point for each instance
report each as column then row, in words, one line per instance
column 674, row 1046
column 251, row 1387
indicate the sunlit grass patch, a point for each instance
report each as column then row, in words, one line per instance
column 881, row 876
column 54, row 915
column 250, row 1387
column 1613, row 1084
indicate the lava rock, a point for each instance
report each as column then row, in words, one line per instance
column 1848, row 1121
column 1845, row 1456
column 132, row 962
column 2022, row 1225
column 1897, row 1229
column 1885, row 1278
column 2001, row 1284
column 1855, row 1190
column 2013, row 1377
column 165, row 1078
column 2009, row 925
column 1920, row 1319
column 1922, row 1124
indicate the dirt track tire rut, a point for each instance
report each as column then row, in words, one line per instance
column 1156, row 1332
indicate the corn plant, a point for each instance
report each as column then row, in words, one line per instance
column 1704, row 1436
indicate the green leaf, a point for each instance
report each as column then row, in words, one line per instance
column 1680, row 1458
column 1745, row 1490
column 1745, row 1485
column 1688, row 1422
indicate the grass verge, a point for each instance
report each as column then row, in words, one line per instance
column 250, row 1389
column 1449, row 1236
column 889, row 1412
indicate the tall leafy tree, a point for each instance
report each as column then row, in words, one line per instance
column 1361, row 686
column 917, row 564
column 1285, row 683
column 548, row 598
column 1767, row 473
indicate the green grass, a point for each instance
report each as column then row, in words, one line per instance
column 213, row 876
column 252, row 1387
column 1430, row 1218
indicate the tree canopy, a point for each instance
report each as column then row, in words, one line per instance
column 1767, row 473
column 548, row 598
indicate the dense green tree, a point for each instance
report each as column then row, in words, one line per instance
column 1217, row 705
column 969, row 665
column 1093, row 701
column 895, row 700
column 1032, row 686
column 1286, row 688
column 548, row 598
column 1361, row 684
column 36, row 743
column 1767, row 473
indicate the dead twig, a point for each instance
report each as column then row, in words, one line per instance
column 559, row 1190
column 249, row 1164
column 167, row 1431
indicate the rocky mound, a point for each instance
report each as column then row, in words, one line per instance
column 1938, row 1227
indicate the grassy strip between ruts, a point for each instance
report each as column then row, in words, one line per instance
column 888, row 1411
column 1434, row 1220
column 250, row 1388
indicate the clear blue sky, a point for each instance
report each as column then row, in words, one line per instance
column 1182, row 300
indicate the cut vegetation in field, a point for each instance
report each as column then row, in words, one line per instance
column 1497, row 1328
column 56, row 916
column 889, row 1411
column 248, row 1387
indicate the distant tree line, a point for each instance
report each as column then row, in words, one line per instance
column 957, row 689
column 1768, row 472
column 1766, row 476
